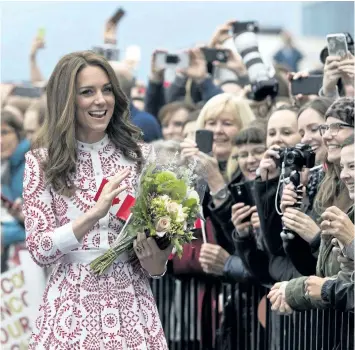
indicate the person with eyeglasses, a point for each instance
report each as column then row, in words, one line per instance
column 291, row 295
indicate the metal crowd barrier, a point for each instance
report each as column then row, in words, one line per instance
column 209, row 315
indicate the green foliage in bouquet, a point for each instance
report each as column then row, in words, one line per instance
column 165, row 206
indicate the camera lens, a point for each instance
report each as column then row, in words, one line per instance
column 263, row 84
column 290, row 158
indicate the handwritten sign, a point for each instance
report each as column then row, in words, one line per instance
column 15, row 321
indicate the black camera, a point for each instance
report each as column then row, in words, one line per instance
column 295, row 158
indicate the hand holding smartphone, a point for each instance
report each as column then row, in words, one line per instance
column 164, row 60
column 307, row 86
column 242, row 193
column 337, row 45
column 204, row 140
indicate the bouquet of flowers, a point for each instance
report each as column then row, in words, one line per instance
column 166, row 208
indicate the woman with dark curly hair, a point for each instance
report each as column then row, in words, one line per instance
column 87, row 136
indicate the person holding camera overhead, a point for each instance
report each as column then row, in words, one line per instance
column 67, row 228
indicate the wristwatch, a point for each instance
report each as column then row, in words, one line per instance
column 221, row 194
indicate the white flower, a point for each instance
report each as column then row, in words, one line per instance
column 181, row 216
column 194, row 195
column 165, row 198
column 172, row 207
column 161, row 234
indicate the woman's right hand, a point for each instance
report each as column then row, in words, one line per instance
column 289, row 197
column 111, row 190
column 331, row 75
column 267, row 165
column 240, row 211
column 295, row 76
column 208, row 165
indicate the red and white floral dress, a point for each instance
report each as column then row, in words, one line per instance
column 81, row 310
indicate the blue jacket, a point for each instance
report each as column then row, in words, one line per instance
column 147, row 123
column 13, row 232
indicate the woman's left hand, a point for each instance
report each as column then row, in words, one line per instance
column 151, row 257
column 337, row 224
column 313, row 286
column 300, row 223
column 213, row 258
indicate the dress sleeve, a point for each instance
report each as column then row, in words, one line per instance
column 45, row 241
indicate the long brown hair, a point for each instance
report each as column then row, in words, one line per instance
column 57, row 134
column 332, row 191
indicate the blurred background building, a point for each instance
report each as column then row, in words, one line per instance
column 73, row 26
column 322, row 17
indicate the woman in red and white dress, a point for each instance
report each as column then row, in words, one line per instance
column 86, row 137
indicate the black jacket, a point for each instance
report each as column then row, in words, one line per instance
column 199, row 92
column 234, row 271
column 263, row 266
column 339, row 294
column 300, row 253
column 222, row 218
column 154, row 98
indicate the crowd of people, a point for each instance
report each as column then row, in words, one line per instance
column 293, row 233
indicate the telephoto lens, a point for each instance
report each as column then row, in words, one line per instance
column 262, row 84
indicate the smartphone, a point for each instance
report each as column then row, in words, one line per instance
column 172, row 59
column 41, row 33
column 242, row 193
column 164, row 60
column 337, row 45
column 307, row 86
column 110, row 53
column 204, row 140
column 6, row 200
column 27, row 91
column 250, row 26
column 211, row 55
column 118, row 15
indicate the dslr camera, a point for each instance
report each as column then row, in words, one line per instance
column 263, row 84
column 298, row 157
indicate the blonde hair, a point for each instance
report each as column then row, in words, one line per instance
column 231, row 104
column 226, row 103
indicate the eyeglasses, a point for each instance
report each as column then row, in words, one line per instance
column 256, row 153
column 333, row 128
